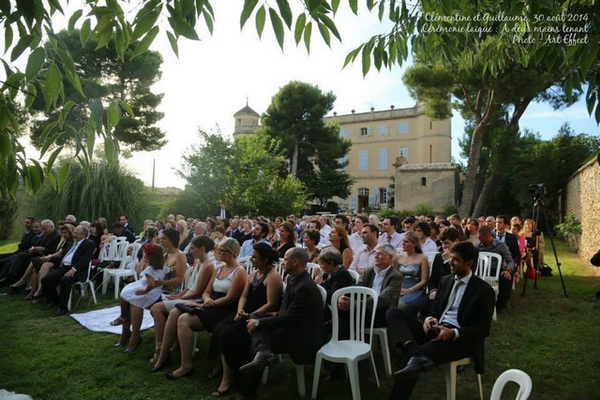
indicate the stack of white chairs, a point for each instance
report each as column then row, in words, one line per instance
column 127, row 266
column 488, row 269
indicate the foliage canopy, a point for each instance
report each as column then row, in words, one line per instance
column 243, row 174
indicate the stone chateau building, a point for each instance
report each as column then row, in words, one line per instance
column 398, row 157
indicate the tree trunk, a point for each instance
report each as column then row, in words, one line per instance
column 294, row 171
column 468, row 192
column 484, row 196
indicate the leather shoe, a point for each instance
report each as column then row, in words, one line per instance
column 415, row 366
column 60, row 311
column 172, row 377
column 261, row 360
column 47, row 307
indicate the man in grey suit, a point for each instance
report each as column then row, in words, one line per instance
column 384, row 279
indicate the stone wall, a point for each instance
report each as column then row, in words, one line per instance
column 436, row 184
column 582, row 199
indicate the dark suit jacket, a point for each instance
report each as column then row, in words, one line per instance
column 301, row 317
column 474, row 313
column 25, row 242
column 390, row 290
column 50, row 243
column 512, row 243
column 81, row 258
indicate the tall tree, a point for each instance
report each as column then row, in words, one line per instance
column 104, row 76
column 314, row 150
column 244, row 174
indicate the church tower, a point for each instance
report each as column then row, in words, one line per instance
column 246, row 121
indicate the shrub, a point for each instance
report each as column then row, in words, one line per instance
column 423, row 209
column 106, row 190
column 570, row 230
column 449, row 209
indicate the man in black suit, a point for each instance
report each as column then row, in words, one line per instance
column 298, row 328
column 222, row 213
column 73, row 268
column 24, row 245
column 124, row 220
column 458, row 323
column 47, row 245
column 510, row 240
column 120, row 230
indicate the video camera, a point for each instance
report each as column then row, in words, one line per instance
column 537, row 189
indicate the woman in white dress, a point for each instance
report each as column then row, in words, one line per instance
column 199, row 276
column 141, row 294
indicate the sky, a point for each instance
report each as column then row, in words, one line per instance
column 212, row 79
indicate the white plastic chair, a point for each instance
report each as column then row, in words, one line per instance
column 513, row 375
column 450, row 369
column 313, row 269
column 355, row 275
column 126, row 268
column 351, row 351
column 488, row 269
column 83, row 287
column 381, row 336
column 110, row 250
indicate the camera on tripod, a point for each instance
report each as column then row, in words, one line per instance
column 537, row 189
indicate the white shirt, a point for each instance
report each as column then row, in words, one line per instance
column 451, row 315
column 379, row 278
column 395, row 239
column 247, row 247
column 363, row 258
column 356, row 242
column 429, row 246
column 325, row 235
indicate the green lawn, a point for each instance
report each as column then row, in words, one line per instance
column 551, row 337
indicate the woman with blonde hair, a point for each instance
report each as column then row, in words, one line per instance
column 414, row 267
column 183, row 230
column 219, row 300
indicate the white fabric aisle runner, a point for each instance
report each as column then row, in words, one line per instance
column 98, row 320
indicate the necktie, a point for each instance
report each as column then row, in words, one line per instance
column 389, row 239
column 71, row 250
column 452, row 297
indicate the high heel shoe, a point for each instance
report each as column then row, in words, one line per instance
column 162, row 366
column 172, row 377
column 156, row 354
column 119, row 344
column 129, row 350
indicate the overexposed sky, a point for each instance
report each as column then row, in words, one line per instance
column 212, row 78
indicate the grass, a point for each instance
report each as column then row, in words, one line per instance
column 551, row 337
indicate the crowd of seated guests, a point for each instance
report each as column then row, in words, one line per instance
column 191, row 279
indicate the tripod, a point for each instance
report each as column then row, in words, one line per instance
column 539, row 209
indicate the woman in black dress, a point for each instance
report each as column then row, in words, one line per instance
column 262, row 295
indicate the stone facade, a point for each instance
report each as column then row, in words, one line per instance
column 378, row 137
column 436, row 184
column 582, row 199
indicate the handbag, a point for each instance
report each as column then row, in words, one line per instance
column 188, row 309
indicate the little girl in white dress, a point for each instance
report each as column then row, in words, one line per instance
column 141, row 294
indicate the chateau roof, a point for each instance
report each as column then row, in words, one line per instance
column 246, row 110
column 427, row 167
